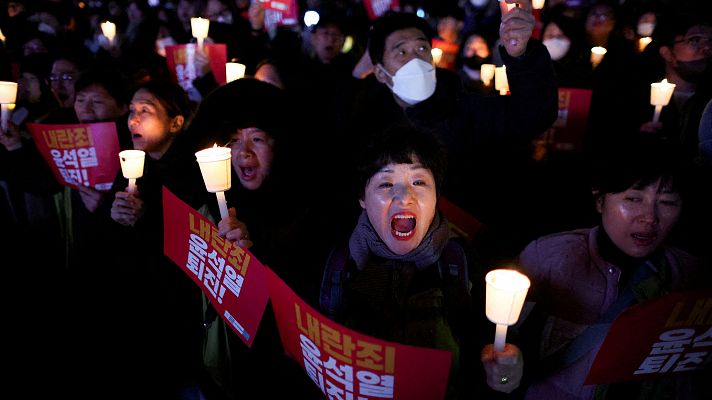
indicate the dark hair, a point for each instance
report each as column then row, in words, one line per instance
column 389, row 23
column 673, row 24
column 636, row 164
column 113, row 81
column 171, row 96
column 399, row 144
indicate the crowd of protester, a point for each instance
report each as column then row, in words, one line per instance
column 335, row 128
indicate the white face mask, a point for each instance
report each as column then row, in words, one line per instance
column 646, row 28
column 479, row 3
column 414, row 81
column 558, row 47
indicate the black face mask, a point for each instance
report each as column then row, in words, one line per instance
column 693, row 71
column 475, row 62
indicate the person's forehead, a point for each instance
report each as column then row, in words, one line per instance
column 95, row 90
column 705, row 30
column 63, row 66
column 404, row 35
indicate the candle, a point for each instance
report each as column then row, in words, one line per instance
column 108, row 29
column 504, row 6
column 8, row 95
column 487, row 73
column 216, row 170
column 643, row 43
column 538, row 4
column 199, row 27
column 234, row 71
column 437, row 54
column 597, row 54
column 660, row 94
column 504, row 298
column 500, row 80
column 132, row 166
column 2, row 37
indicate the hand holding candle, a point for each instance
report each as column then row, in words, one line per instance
column 660, row 94
column 216, row 170
column 8, row 95
column 199, row 28
column 132, row 166
column 505, row 294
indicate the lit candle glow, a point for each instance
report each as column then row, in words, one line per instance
column 597, row 54
column 487, row 73
column 643, row 43
column 8, row 95
column 216, row 170
column 132, row 166
column 500, row 80
column 504, row 298
column 437, row 54
column 199, row 28
column 108, row 29
column 234, row 71
column 660, row 95
column 538, row 4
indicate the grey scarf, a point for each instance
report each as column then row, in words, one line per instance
column 365, row 242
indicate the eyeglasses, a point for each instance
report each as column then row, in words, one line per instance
column 63, row 77
column 696, row 42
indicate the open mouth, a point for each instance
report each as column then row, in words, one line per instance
column 248, row 173
column 403, row 226
column 644, row 239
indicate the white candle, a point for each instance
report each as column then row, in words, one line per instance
column 216, row 170
column 487, row 73
column 132, row 166
column 643, row 43
column 504, row 298
column 200, row 27
column 538, row 4
column 437, row 54
column 234, row 71
column 8, row 95
column 597, row 54
column 660, row 95
column 500, row 80
column 108, row 29
column 2, row 37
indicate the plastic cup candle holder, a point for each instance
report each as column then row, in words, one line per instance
column 108, row 29
column 538, row 4
column 132, row 166
column 660, row 95
column 487, row 73
column 500, row 80
column 437, row 54
column 504, row 298
column 199, row 28
column 644, row 42
column 597, row 54
column 216, row 170
column 8, row 95
column 234, row 71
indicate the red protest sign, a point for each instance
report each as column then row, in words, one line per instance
column 346, row 364
column 231, row 277
column 566, row 134
column 376, row 8
column 79, row 154
column 280, row 13
column 181, row 62
column 671, row 334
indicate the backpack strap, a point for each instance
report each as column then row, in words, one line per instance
column 453, row 268
column 332, row 283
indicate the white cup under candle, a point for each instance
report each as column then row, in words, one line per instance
column 234, row 71
column 108, row 29
column 660, row 95
column 199, row 28
column 597, row 54
column 216, row 170
column 643, row 43
column 538, row 4
column 8, row 95
column 132, row 166
column 500, row 80
column 487, row 73
column 504, row 298
column 437, row 54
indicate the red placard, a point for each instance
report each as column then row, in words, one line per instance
column 346, row 364
column 376, row 8
column 280, row 13
column 566, row 134
column 181, row 62
column 230, row 276
column 672, row 334
column 80, row 154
